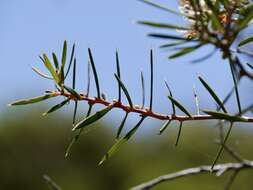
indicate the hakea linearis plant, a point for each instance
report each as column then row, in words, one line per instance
column 209, row 22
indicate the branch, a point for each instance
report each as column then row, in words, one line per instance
column 142, row 111
column 218, row 169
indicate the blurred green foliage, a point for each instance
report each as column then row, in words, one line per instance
column 31, row 146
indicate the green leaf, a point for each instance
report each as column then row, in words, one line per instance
column 225, row 116
column 151, row 79
column 124, row 90
column 32, row 100
column 118, row 73
column 246, row 41
column 94, row 72
column 78, row 134
column 91, row 119
column 122, row 125
column 73, row 92
column 162, row 25
column 49, row 66
column 222, row 146
column 167, row 36
column 213, row 94
column 64, row 54
column 56, row 107
column 180, row 106
column 63, row 62
column 179, row 133
column 41, row 74
column 246, row 15
column 214, row 16
column 164, row 127
column 173, row 44
column 71, row 60
column 121, row 141
column 56, row 63
column 162, row 7
column 143, row 89
column 172, row 103
column 185, row 51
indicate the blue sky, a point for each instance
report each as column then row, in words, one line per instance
column 30, row 28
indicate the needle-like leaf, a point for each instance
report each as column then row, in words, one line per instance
column 41, row 74
column 50, row 68
column 232, row 68
column 56, row 63
column 72, row 92
column 124, row 90
column 93, row 118
column 167, row 36
column 143, row 90
column 170, row 93
column 164, row 127
column 32, row 100
column 222, row 146
column 179, row 133
column 77, row 135
column 246, row 41
column 94, row 72
column 71, row 60
column 162, row 7
column 162, row 25
column 88, row 80
column 56, row 107
column 185, row 51
column 151, row 79
column 118, row 73
column 225, row 116
column 180, row 106
column 121, row 141
column 122, row 125
column 74, row 114
column 213, row 94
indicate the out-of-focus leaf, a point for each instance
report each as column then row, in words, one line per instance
column 246, row 15
column 56, row 107
column 214, row 16
column 173, row 44
column 72, row 92
column 185, row 51
column 93, row 118
column 121, row 141
column 167, row 36
column 162, row 25
column 32, row 100
column 213, row 94
column 49, row 66
column 162, row 7
column 246, row 41
column 180, row 106
column 124, row 90
column 251, row 66
column 41, row 74
column 225, row 116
